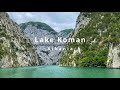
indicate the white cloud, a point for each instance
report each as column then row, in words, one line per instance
column 57, row 20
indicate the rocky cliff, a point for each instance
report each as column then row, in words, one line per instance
column 15, row 49
column 101, row 49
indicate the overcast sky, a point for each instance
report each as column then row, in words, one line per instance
column 57, row 20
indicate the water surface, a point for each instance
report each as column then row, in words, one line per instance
column 58, row 72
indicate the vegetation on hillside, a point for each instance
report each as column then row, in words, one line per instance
column 102, row 30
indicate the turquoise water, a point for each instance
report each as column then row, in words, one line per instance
column 58, row 72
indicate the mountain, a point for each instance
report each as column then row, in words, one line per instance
column 101, row 31
column 65, row 33
column 15, row 49
column 38, row 25
column 42, row 30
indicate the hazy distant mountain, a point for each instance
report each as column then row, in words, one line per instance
column 65, row 33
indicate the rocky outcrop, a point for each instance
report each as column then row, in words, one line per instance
column 81, row 22
column 15, row 49
column 114, row 57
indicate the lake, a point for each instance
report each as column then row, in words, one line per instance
column 58, row 72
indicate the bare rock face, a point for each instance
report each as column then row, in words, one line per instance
column 41, row 30
column 114, row 57
column 15, row 49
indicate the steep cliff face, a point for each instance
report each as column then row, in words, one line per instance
column 15, row 49
column 102, row 32
column 41, row 30
column 114, row 57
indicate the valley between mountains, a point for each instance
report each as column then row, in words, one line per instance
column 101, row 31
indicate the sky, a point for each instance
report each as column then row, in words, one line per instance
column 57, row 20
